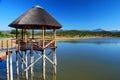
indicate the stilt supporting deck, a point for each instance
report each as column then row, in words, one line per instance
column 11, row 68
column 17, row 66
column 54, row 52
column 54, row 61
column 7, row 63
column 22, row 66
column 7, row 66
column 43, row 64
column 26, row 65
column 31, row 61
column 54, row 75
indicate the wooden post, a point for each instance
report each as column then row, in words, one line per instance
column 7, row 63
column 11, row 68
column 2, row 44
column 43, row 53
column 17, row 65
column 16, row 33
column 22, row 66
column 43, row 64
column 11, row 43
column 31, row 61
column 32, row 33
column 54, row 75
column 54, row 52
column 43, row 37
column 54, row 61
column 26, row 65
column 22, row 34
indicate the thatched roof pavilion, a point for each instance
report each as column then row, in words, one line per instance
column 35, row 18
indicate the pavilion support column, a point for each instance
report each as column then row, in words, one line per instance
column 43, row 53
column 16, row 33
column 32, row 33
column 22, row 33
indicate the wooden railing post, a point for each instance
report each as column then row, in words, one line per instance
column 2, row 44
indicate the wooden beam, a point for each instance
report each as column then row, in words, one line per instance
column 32, row 63
column 49, row 43
column 49, row 60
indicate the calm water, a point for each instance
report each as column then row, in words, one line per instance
column 86, row 59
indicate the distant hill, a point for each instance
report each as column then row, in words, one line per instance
column 98, row 30
column 117, row 30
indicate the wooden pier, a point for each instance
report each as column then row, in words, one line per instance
column 25, row 48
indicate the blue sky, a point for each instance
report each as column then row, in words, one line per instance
column 72, row 14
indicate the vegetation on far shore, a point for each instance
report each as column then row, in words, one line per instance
column 79, row 34
column 64, row 34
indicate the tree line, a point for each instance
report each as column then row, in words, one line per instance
column 78, row 33
column 65, row 33
column 73, row 33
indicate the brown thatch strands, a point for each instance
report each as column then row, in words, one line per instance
column 35, row 18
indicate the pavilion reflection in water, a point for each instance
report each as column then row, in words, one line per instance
column 38, row 76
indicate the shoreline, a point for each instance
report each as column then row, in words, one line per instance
column 67, row 38
column 76, row 38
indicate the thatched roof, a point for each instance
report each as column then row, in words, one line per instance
column 35, row 18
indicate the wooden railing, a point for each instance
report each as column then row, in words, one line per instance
column 17, row 43
column 7, row 43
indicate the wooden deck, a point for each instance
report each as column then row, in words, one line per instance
column 17, row 45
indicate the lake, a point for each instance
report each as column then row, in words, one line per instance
column 84, row 59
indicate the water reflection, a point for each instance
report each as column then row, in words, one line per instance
column 76, row 61
column 38, row 76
